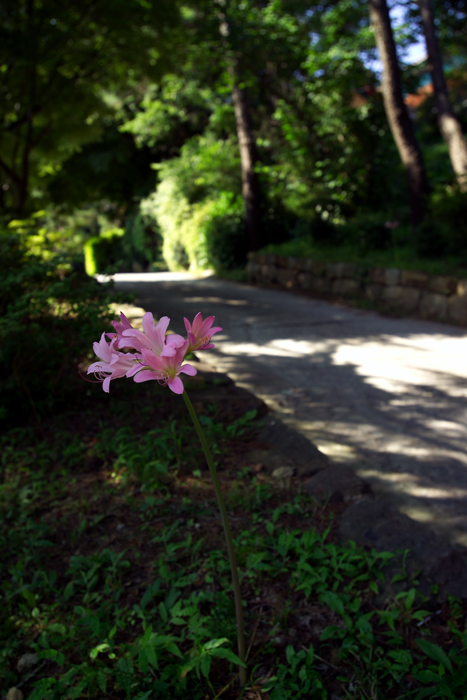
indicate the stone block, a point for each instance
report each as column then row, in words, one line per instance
column 345, row 287
column 287, row 278
column 377, row 275
column 305, row 280
column 318, row 268
column 461, row 288
column 350, row 270
column 321, row 285
column 333, row 270
column 433, row 305
column 268, row 273
column 412, row 278
column 341, row 270
column 442, row 285
column 269, row 258
column 289, row 448
column 306, row 264
column 14, row 694
column 403, row 298
column 253, row 270
column 337, row 484
column 293, row 263
column 374, row 292
column 280, row 261
column 378, row 524
column 392, row 276
column 457, row 310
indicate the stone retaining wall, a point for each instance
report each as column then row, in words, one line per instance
column 408, row 291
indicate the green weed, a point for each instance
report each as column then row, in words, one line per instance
column 116, row 578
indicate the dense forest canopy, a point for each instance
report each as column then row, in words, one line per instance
column 218, row 127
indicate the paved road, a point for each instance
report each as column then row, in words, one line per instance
column 384, row 396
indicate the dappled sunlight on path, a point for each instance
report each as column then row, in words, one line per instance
column 385, row 396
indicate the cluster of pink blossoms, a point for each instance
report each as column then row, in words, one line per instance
column 155, row 355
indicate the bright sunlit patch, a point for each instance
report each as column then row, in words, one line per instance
column 154, row 276
column 217, row 300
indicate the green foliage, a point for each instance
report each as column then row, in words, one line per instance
column 323, row 231
column 140, row 609
column 62, row 67
column 225, row 233
column 102, row 252
column 49, row 317
column 201, row 223
column 444, row 232
column 369, row 232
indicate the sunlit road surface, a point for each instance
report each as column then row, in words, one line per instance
column 384, row 396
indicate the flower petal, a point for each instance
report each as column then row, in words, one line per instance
column 146, row 375
column 176, row 385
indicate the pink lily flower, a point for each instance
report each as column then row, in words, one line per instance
column 121, row 326
column 200, row 332
column 166, row 368
column 113, row 364
column 152, row 337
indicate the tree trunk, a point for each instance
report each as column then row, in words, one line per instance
column 449, row 126
column 250, row 183
column 396, row 111
column 251, row 191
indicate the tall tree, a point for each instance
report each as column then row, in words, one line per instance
column 449, row 125
column 251, row 192
column 397, row 113
column 58, row 61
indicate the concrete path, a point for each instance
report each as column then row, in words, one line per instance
column 384, row 396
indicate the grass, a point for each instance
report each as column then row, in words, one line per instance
column 114, row 575
column 403, row 257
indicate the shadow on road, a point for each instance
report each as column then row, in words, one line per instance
column 387, row 396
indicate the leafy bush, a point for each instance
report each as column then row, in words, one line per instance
column 368, row 232
column 141, row 242
column 444, row 232
column 324, row 231
column 430, row 239
column 225, row 233
column 101, row 252
column 49, row 317
column 279, row 223
column 197, row 205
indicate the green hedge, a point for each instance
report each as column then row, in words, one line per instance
column 104, row 251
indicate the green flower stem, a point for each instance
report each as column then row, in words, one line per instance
column 228, row 538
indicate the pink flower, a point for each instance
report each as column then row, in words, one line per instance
column 113, row 364
column 200, row 332
column 152, row 337
column 166, row 368
column 121, row 326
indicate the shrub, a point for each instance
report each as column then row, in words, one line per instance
column 209, row 233
column 279, row 224
column 225, row 233
column 49, row 317
column 141, row 242
column 369, row 232
column 444, row 231
column 196, row 205
column 323, row 231
column 430, row 239
column 104, row 251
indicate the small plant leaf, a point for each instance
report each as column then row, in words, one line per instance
column 435, row 653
